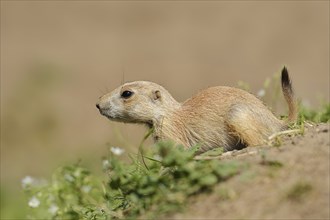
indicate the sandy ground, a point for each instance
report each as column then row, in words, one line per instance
column 299, row 189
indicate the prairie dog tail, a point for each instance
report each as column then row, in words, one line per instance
column 289, row 96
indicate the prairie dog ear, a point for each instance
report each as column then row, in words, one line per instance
column 156, row 94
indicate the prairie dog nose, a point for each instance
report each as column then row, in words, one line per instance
column 98, row 106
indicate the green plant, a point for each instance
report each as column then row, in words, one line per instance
column 321, row 114
column 65, row 196
column 299, row 190
column 162, row 183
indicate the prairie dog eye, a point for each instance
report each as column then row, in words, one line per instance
column 126, row 94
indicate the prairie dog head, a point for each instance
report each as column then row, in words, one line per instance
column 137, row 102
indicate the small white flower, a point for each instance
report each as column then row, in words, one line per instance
column 105, row 164
column 53, row 209
column 34, row 202
column 68, row 177
column 27, row 181
column 117, row 150
column 261, row 93
column 86, row 188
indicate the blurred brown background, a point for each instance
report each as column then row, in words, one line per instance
column 58, row 57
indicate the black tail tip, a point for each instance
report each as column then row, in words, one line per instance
column 285, row 79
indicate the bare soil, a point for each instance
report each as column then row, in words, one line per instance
column 286, row 182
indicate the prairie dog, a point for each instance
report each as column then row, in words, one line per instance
column 215, row 117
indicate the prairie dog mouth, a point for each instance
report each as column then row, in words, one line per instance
column 103, row 111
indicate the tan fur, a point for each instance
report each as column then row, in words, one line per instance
column 215, row 117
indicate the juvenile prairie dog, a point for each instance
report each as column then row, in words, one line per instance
column 215, row 117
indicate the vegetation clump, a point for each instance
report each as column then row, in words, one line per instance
column 298, row 191
column 160, row 184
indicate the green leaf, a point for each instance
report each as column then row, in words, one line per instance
column 208, row 180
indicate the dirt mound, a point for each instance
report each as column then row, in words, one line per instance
column 287, row 182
